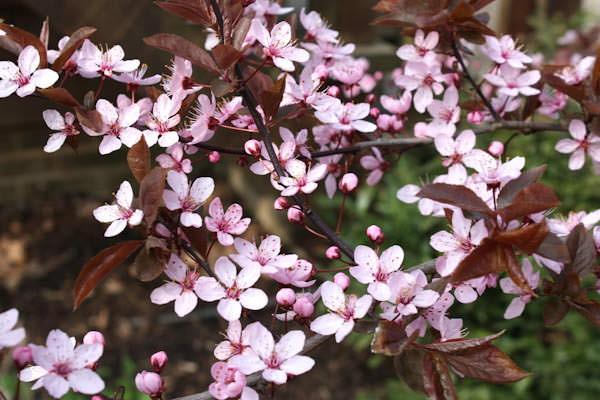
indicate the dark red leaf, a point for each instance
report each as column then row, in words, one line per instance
column 512, row 188
column 150, row 262
column 60, row 95
column 582, row 250
column 272, row 97
column 487, row 258
column 226, row 56
column 577, row 92
column 532, row 199
column 456, row 195
column 75, row 41
column 437, row 379
column 455, row 345
column 198, row 238
column 589, row 309
column 195, row 11
column 17, row 39
column 596, row 74
column 184, row 48
column 45, row 32
column 555, row 311
column 96, row 269
column 515, row 271
column 528, row 238
column 409, row 368
column 138, row 159
column 390, row 339
column 553, row 248
column 91, row 119
column 151, row 191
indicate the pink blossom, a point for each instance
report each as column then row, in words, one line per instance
column 348, row 183
column 433, row 315
column 563, row 226
column 468, row 291
column 461, row 242
column 511, row 82
column 229, row 383
column 187, row 199
column 10, row 337
column 204, row 122
column 375, row 271
column 408, row 194
column 162, row 121
column 298, row 274
column 180, row 83
column 233, row 290
column 343, row 310
column 225, row 224
column 117, row 128
column 316, row 28
column 22, row 356
column 278, row 45
column 284, row 154
column 237, row 342
column 285, row 297
column 580, row 145
column 376, row 164
column 395, row 105
column 504, row 50
column 579, row 71
column 159, row 360
column 446, row 113
column 342, row 280
column 149, row 383
column 407, row 293
column 304, row 91
column 25, row 77
column 453, row 150
column 301, row 179
column 517, row 305
column 303, row 308
column 349, row 72
column 347, row 117
column 61, row 365
column 174, row 159
column 266, row 256
column 121, row 213
column 135, row 79
column 180, row 289
column 327, row 51
column 278, row 360
column 426, row 79
column 63, row 127
column 299, row 140
column 552, row 103
column 95, row 62
column 491, row 171
column 423, row 48
column 263, row 8
column 72, row 65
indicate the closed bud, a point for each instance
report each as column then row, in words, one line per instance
column 214, row 157
column 158, row 360
column 342, row 280
column 304, row 307
column 149, row 383
column 496, row 148
column 375, row 234
column 475, row 117
column 281, row 203
column 333, row 253
column 295, row 215
column 378, row 75
column 370, row 98
column 375, row 112
column 22, row 356
column 253, row 147
column 93, row 337
column 333, row 91
column 348, row 183
column 285, row 297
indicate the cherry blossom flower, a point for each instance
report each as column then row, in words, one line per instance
column 347, row 117
column 284, row 153
column 299, row 140
column 278, row 45
column 9, row 336
column 432, row 315
column 164, row 117
column 517, row 305
column 278, row 360
column 343, row 311
column 233, row 290
column 303, row 307
column 135, row 79
column 511, row 82
column 504, row 50
column 578, row 71
column 468, row 291
column 553, row 102
column 150, row 383
column 25, row 77
column 225, row 224
column 423, row 48
column 95, row 62
column 491, row 171
column 453, row 150
column 426, row 79
column 121, row 213
column 395, row 105
column 408, row 194
column 375, row 271
column 204, row 121
column 71, row 66
column 180, row 289
column 580, row 145
column 376, row 164
column 61, row 365
column 262, row 8
column 326, row 51
column 266, row 256
column 173, row 159
column 445, row 113
column 237, row 342
column 316, row 28
column 297, row 274
column 300, row 179
column 117, row 128
column 461, row 242
column 229, row 383
column 187, row 199
column 64, row 127
column 408, row 293
column 563, row 226
column 304, row 91
column 180, row 83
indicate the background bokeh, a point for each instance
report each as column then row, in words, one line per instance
column 47, row 233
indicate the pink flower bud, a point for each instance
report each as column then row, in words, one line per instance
column 375, row 112
column 93, row 337
column 333, row 91
column 149, row 383
column 375, row 234
column 97, row 397
column 285, row 297
column 214, row 157
column 370, row 98
column 475, row 117
column 496, row 148
column 158, row 360
column 253, row 147
column 348, row 183
column 304, row 307
column 333, row 253
column 281, row 203
column 342, row 280
column 295, row 215
column 22, row 356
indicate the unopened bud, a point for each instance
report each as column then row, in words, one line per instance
column 281, row 203
column 375, row 234
column 214, row 157
column 93, row 337
column 295, row 215
column 348, row 183
column 158, row 360
column 304, row 307
column 475, row 117
column 285, row 297
column 370, row 98
column 333, row 91
column 342, row 280
column 22, row 356
column 375, row 112
column 333, row 253
column 149, row 383
column 496, row 148
column 253, row 147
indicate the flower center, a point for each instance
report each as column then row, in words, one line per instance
column 62, row 369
